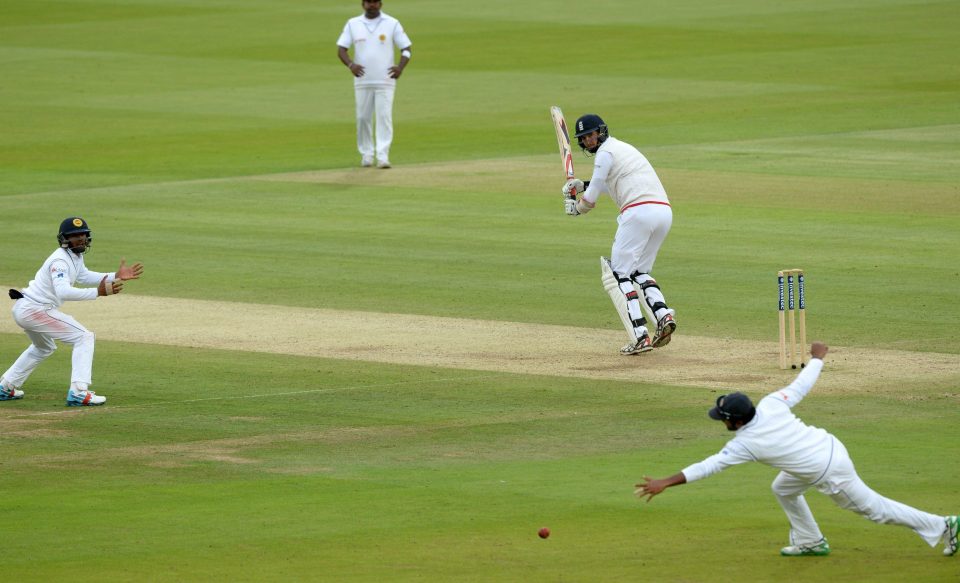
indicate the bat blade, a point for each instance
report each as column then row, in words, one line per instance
column 563, row 141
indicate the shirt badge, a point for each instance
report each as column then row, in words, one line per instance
column 383, row 37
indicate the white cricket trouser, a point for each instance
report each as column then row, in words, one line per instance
column 44, row 325
column 641, row 231
column 374, row 102
column 848, row 491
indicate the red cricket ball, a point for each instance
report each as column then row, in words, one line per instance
column 544, row 532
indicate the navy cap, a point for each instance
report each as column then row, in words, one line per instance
column 735, row 407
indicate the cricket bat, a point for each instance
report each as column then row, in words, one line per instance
column 563, row 140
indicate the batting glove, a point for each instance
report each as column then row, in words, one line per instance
column 572, row 188
column 570, row 206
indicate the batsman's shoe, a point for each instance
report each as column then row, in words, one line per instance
column 383, row 164
column 9, row 394
column 366, row 161
column 77, row 398
column 665, row 327
column 950, row 543
column 641, row 345
column 817, row 549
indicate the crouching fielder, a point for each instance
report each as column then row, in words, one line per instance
column 807, row 457
column 37, row 311
column 645, row 218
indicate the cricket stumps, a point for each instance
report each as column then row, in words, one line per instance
column 795, row 307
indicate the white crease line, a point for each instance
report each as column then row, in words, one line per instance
column 106, row 409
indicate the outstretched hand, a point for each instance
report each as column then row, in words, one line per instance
column 818, row 350
column 649, row 488
column 125, row 271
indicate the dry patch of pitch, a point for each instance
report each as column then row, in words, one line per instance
column 507, row 347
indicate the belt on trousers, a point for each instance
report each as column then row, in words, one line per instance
column 630, row 206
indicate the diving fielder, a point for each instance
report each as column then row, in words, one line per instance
column 37, row 311
column 645, row 219
column 807, row 457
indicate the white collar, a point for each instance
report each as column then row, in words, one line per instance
column 371, row 24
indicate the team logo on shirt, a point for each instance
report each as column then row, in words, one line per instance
column 383, row 37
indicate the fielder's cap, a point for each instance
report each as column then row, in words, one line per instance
column 735, row 407
column 71, row 225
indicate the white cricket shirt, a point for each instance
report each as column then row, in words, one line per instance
column 373, row 41
column 776, row 437
column 54, row 281
column 625, row 174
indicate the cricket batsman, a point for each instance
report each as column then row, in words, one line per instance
column 645, row 218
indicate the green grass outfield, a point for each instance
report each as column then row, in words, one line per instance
column 214, row 141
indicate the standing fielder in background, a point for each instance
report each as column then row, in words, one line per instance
column 37, row 312
column 373, row 35
column 807, row 457
column 645, row 218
